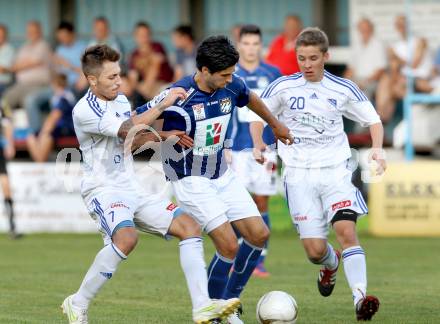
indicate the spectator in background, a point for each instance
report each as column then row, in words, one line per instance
column 149, row 70
column 368, row 59
column 7, row 152
column 393, row 86
column 235, row 34
column 6, row 59
column 282, row 49
column 58, row 123
column 67, row 57
column 65, row 60
column 103, row 35
column 31, row 68
column 183, row 39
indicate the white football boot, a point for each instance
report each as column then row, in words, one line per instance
column 75, row 315
column 218, row 309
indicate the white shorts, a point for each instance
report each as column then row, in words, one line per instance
column 257, row 178
column 214, row 202
column 315, row 195
column 112, row 210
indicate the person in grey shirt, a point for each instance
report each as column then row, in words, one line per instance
column 7, row 53
column 183, row 40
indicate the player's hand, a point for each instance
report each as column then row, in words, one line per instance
column 378, row 156
column 258, row 152
column 173, row 95
column 282, row 133
column 184, row 140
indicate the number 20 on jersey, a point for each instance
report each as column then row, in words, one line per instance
column 297, row 103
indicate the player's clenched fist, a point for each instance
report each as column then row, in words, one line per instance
column 173, row 95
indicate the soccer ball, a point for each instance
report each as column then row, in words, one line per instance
column 277, row 307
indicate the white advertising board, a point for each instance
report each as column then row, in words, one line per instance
column 47, row 197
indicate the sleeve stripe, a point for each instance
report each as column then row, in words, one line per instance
column 348, row 84
column 266, row 93
column 91, row 100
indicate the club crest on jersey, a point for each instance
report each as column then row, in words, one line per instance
column 225, row 105
column 332, row 102
column 199, row 111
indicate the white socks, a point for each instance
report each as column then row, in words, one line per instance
column 330, row 260
column 355, row 271
column 101, row 270
column 193, row 265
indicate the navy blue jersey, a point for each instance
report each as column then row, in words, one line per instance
column 257, row 80
column 205, row 118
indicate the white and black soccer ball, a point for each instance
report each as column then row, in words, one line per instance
column 277, row 307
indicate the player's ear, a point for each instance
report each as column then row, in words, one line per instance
column 92, row 80
column 326, row 56
column 205, row 70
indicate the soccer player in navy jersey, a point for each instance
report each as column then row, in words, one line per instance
column 203, row 184
column 260, row 180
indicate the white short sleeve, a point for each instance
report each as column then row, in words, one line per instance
column 95, row 122
column 362, row 112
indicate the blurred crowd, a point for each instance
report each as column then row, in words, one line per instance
column 45, row 82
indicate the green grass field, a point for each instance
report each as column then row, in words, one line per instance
column 38, row 271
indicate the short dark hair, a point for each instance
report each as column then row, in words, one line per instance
column 65, row 25
column 250, row 29
column 95, row 56
column 313, row 36
column 216, row 53
column 185, row 30
column 102, row 19
column 142, row 24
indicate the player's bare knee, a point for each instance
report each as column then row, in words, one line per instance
column 315, row 252
column 259, row 237
column 126, row 239
column 228, row 249
column 184, row 226
column 190, row 227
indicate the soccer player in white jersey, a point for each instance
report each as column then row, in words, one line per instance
column 317, row 178
column 260, row 180
column 116, row 201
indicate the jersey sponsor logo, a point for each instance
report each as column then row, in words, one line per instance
column 117, row 115
column 300, row 218
column 213, row 133
column 311, row 140
column 199, row 111
column 341, row 204
column 119, row 204
column 313, row 96
column 318, row 123
column 225, row 105
column 333, row 102
column 210, row 134
column 171, row 207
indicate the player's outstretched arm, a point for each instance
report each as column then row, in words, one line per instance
column 149, row 116
column 256, row 129
column 376, row 132
column 280, row 131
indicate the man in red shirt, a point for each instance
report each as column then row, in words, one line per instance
column 282, row 49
